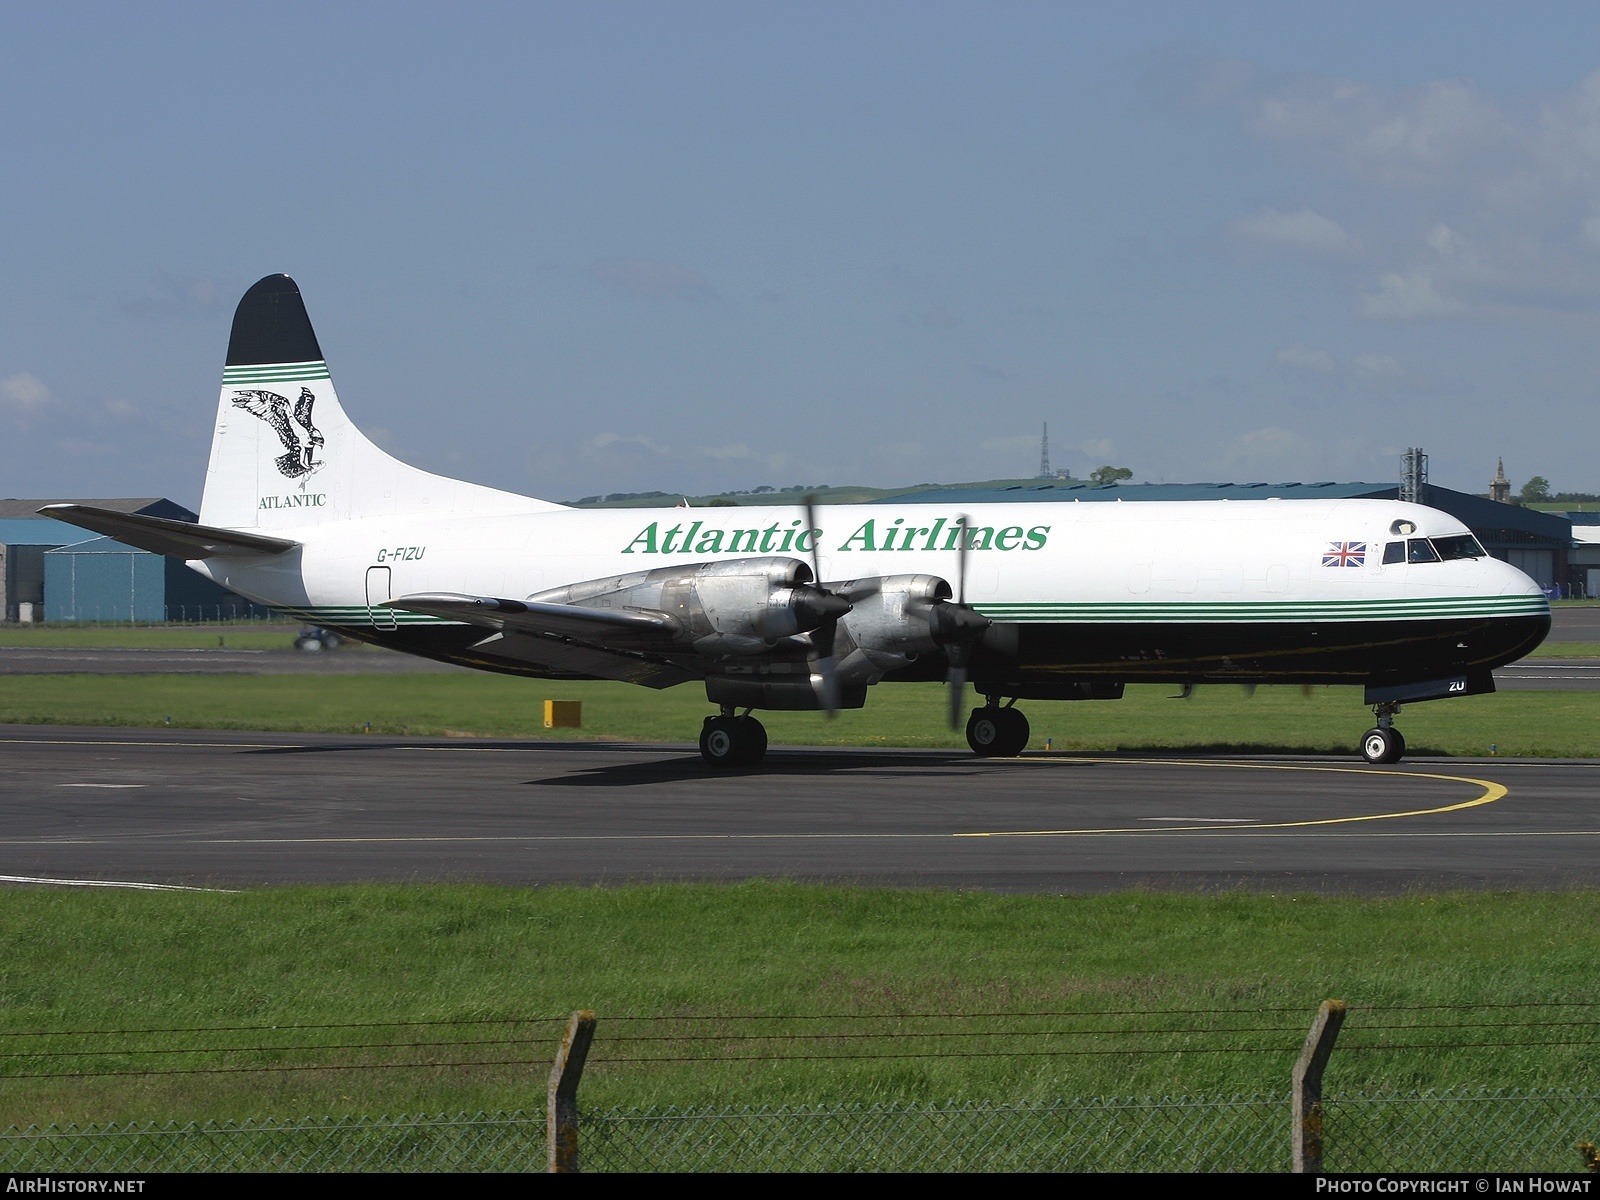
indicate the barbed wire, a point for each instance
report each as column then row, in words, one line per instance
column 1344, row 1049
column 540, row 1062
column 945, row 1033
column 265, row 1049
column 261, row 1028
column 840, row 1016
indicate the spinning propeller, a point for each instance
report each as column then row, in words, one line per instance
column 957, row 627
column 832, row 606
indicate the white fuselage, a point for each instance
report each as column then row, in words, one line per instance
column 1107, row 561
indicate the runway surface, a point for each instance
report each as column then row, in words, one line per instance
column 1578, row 623
column 1550, row 675
column 213, row 809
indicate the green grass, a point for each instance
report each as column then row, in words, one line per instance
column 1323, row 720
column 303, row 956
column 243, row 635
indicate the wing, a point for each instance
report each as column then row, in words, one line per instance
column 621, row 644
column 159, row 535
column 563, row 620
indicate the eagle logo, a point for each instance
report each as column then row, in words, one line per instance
column 299, row 458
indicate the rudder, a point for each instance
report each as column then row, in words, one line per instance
column 284, row 453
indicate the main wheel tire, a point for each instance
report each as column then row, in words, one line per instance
column 1380, row 746
column 733, row 741
column 997, row 732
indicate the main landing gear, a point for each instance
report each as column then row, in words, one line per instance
column 733, row 741
column 1383, row 743
column 995, row 732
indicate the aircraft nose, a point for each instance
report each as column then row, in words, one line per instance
column 1515, row 582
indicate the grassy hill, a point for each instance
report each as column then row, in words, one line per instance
column 849, row 494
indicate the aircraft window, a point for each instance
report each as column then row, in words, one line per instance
column 1421, row 550
column 1394, row 552
column 1462, row 545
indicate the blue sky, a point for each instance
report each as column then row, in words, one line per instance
column 579, row 248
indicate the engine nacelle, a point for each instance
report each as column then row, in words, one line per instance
column 891, row 619
column 739, row 607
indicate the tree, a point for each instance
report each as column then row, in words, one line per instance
column 1536, row 490
column 1105, row 475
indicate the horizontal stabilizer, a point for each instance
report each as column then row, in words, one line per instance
column 160, row 535
column 518, row 616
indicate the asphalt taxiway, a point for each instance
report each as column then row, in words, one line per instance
column 215, row 809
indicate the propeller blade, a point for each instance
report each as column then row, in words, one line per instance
column 958, row 684
column 810, row 503
column 822, row 636
column 963, row 547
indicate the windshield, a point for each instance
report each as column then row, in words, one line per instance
column 1462, row 545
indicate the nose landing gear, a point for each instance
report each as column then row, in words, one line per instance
column 996, row 732
column 1383, row 743
column 733, row 741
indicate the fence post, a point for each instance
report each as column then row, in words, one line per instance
column 1308, row 1070
column 561, row 1115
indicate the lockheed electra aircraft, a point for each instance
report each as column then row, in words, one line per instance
column 803, row 607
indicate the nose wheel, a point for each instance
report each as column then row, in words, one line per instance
column 1383, row 743
column 995, row 732
column 731, row 741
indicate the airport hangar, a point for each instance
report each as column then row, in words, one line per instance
column 1540, row 544
column 50, row 571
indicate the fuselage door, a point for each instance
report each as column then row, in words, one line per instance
column 379, row 585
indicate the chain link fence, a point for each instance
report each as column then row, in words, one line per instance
column 502, row 1141
column 1237, row 1133
column 1401, row 1131
column 1459, row 1130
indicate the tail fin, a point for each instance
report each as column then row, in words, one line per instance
column 284, row 453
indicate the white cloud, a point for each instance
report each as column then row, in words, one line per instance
column 1379, row 368
column 1301, row 360
column 24, row 395
column 604, row 441
column 1410, row 295
column 1007, row 445
column 1304, row 232
column 1270, row 447
column 729, row 453
column 1101, row 449
column 1471, row 204
column 170, row 296
column 651, row 279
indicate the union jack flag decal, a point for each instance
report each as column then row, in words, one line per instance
column 1344, row 554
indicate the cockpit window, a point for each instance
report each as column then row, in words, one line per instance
column 1394, row 552
column 1420, row 550
column 1462, row 545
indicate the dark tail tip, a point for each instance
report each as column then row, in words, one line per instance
column 271, row 326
